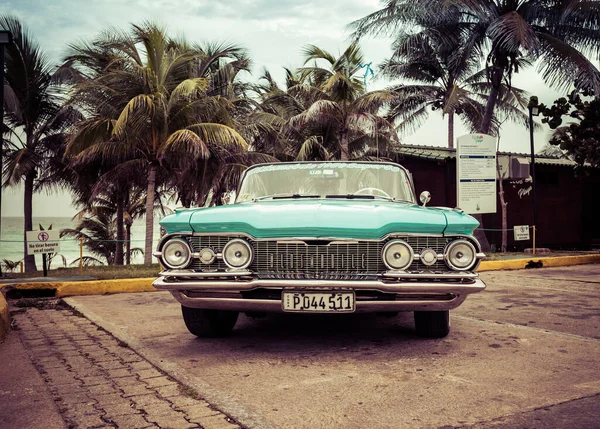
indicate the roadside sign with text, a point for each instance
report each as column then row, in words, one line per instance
column 43, row 242
column 476, row 173
column 521, row 232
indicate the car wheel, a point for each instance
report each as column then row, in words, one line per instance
column 432, row 324
column 209, row 323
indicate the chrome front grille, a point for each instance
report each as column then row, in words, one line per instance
column 315, row 259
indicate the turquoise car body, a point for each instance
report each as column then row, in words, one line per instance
column 381, row 252
column 366, row 219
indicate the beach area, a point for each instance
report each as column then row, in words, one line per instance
column 11, row 241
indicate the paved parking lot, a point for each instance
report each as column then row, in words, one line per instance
column 524, row 353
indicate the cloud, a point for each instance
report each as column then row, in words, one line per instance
column 273, row 31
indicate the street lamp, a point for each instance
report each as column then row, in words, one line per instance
column 5, row 39
column 534, row 110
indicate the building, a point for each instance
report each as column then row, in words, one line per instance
column 568, row 204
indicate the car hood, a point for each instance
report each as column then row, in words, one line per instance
column 321, row 218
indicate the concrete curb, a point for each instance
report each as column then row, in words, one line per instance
column 538, row 262
column 92, row 287
column 4, row 318
column 101, row 287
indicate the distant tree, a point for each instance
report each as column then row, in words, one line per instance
column 443, row 75
column 97, row 227
column 345, row 119
column 580, row 139
column 37, row 121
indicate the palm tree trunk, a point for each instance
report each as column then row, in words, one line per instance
column 451, row 129
column 486, row 123
column 128, row 244
column 28, row 223
column 489, row 111
column 120, row 232
column 488, row 114
column 150, row 213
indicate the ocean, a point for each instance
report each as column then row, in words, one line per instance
column 11, row 240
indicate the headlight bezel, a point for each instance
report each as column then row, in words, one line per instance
column 391, row 243
column 169, row 243
column 245, row 244
column 450, row 246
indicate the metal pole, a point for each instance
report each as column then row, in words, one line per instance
column 1, row 134
column 532, row 167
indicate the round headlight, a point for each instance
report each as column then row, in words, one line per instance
column 237, row 254
column 176, row 253
column 460, row 255
column 397, row 255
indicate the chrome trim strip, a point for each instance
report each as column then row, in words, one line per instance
column 391, row 274
column 405, row 275
column 343, row 240
column 475, row 285
column 274, row 306
column 312, row 238
column 194, row 274
column 173, row 234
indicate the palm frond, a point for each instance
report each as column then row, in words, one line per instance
column 135, row 114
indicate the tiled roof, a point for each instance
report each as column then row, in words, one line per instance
column 441, row 153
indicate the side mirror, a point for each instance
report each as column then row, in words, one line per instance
column 425, row 198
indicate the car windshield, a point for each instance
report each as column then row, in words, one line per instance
column 326, row 180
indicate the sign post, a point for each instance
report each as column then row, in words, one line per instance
column 521, row 232
column 43, row 242
column 476, row 173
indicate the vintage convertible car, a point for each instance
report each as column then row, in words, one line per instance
column 320, row 237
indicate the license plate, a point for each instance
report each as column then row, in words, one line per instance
column 318, row 302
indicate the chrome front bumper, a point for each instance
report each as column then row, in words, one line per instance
column 426, row 295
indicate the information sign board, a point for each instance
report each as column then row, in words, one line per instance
column 476, row 173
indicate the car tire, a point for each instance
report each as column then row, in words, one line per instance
column 432, row 324
column 209, row 323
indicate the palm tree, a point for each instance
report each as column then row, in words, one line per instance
column 343, row 119
column 150, row 103
column 97, row 227
column 445, row 79
column 267, row 126
column 36, row 119
column 501, row 32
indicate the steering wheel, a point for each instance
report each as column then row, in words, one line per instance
column 372, row 191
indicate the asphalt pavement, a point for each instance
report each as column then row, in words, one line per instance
column 525, row 353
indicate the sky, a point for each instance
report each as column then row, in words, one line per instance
column 273, row 32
